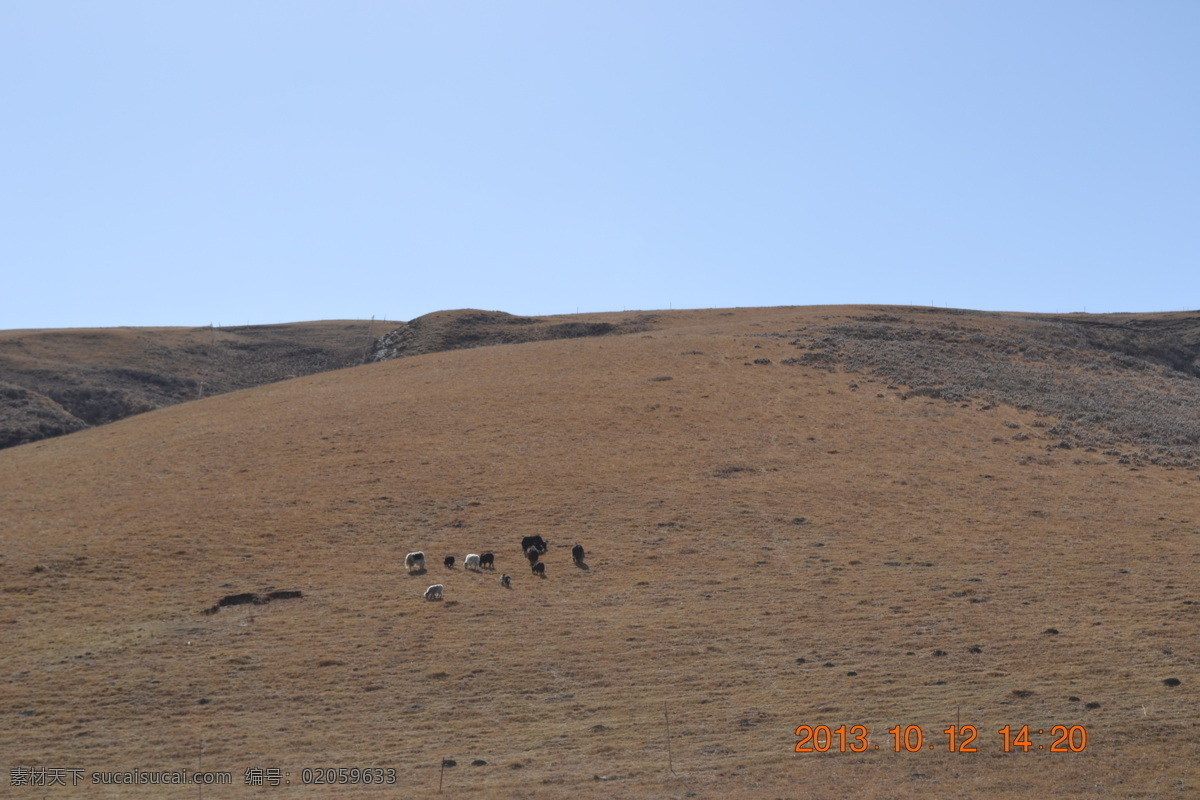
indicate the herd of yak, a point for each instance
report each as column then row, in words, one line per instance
column 534, row 547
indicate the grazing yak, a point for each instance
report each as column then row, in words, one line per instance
column 487, row 560
column 434, row 592
column 534, row 541
column 506, row 581
column 415, row 561
column 471, row 561
column 577, row 554
column 539, row 569
column 449, row 561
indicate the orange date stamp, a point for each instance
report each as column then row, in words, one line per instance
column 958, row 739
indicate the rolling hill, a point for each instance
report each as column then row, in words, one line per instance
column 54, row 382
column 899, row 518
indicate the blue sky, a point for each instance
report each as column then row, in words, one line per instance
column 181, row 163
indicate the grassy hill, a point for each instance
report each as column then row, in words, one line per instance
column 875, row 516
column 59, row 381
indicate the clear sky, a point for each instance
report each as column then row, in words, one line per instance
column 234, row 161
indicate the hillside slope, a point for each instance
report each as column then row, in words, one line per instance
column 54, row 382
column 466, row 328
column 772, row 542
column 58, row 381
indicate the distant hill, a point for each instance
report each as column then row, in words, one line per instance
column 59, row 381
column 1109, row 377
column 465, row 328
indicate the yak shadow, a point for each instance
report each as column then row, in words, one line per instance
column 582, row 565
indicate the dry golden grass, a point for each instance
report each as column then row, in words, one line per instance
column 755, row 533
